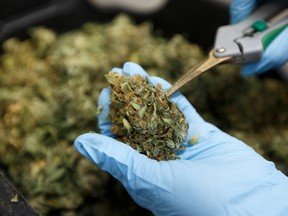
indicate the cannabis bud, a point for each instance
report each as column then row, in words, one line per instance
column 143, row 117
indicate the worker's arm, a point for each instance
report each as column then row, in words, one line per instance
column 277, row 52
column 220, row 175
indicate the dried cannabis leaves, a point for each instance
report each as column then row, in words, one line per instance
column 49, row 85
column 143, row 117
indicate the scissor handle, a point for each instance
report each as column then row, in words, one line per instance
column 247, row 40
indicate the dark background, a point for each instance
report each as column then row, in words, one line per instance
column 196, row 19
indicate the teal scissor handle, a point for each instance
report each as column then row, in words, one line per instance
column 268, row 37
column 246, row 40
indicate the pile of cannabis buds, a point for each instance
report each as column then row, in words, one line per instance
column 144, row 117
column 49, row 87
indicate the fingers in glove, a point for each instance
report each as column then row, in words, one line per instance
column 139, row 174
column 275, row 55
column 241, row 9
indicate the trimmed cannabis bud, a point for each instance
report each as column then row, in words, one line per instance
column 43, row 79
column 143, row 117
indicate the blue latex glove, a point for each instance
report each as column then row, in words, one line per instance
column 277, row 52
column 218, row 176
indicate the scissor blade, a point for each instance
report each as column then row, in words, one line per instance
column 205, row 65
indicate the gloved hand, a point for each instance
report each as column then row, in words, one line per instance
column 277, row 52
column 220, row 175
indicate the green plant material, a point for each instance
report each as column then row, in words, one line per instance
column 49, row 86
column 194, row 139
column 143, row 117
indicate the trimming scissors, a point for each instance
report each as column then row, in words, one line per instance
column 243, row 42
